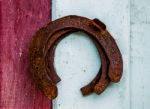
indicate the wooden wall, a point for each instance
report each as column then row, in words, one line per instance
column 19, row 21
column 77, row 59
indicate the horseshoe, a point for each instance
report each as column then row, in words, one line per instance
column 94, row 28
column 86, row 90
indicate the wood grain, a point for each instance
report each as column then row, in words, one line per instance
column 19, row 19
column 77, row 60
column 140, row 54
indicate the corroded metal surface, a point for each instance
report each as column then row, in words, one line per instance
column 44, row 43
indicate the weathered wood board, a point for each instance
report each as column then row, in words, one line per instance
column 77, row 60
column 140, row 54
column 19, row 20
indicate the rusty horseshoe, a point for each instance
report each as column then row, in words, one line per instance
column 43, row 47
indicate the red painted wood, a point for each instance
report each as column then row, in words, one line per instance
column 19, row 19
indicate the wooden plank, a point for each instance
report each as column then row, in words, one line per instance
column 77, row 60
column 140, row 54
column 19, row 21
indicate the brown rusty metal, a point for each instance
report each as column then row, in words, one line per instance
column 44, row 44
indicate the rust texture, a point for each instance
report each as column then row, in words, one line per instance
column 43, row 46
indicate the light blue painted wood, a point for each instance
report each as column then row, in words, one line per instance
column 119, row 16
column 140, row 54
column 72, row 64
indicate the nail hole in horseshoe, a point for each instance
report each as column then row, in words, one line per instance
column 77, row 61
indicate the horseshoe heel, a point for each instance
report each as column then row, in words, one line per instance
column 104, row 80
column 86, row 90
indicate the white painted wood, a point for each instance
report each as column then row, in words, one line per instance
column 140, row 54
column 77, row 59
